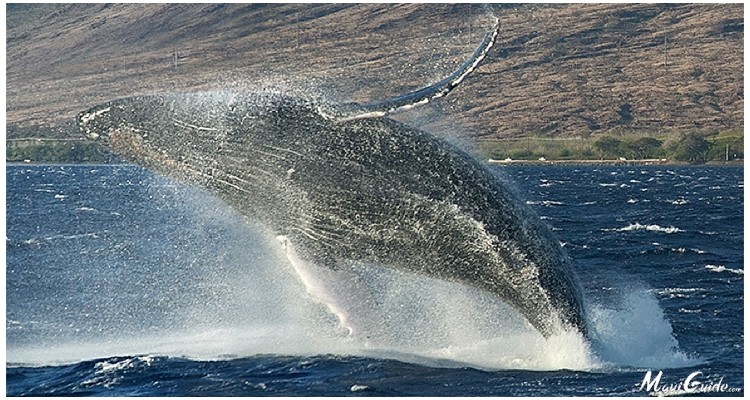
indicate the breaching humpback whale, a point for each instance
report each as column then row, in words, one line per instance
column 346, row 183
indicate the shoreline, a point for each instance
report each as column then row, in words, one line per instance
column 646, row 162
column 500, row 163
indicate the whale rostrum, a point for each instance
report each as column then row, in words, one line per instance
column 349, row 184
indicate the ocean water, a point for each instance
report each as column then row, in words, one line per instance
column 120, row 282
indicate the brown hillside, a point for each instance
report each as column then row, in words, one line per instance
column 556, row 70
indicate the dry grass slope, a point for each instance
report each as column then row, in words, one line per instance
column 557, row 70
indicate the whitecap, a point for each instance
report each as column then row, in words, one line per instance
column 672, row 293
column 359, row 388
column 683, row 250
column 104, row 371
column 107, row 366
column 545, row 203
column 721, row 268
column 78, row 236
column 651, row 228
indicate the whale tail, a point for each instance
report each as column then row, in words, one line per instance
column 421, row 96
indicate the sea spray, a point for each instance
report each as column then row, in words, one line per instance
column 632, row 331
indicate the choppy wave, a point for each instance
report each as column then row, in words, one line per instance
column 94, row 235
column 677, row 292
column 51, row 238
column 651, row 228
column 431, row 323
column 546, row 203
column 679, row 202
column 548, row 182
column 721, row 268
column 108, row 373
column 683, row 250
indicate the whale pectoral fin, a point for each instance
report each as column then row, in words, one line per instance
column 421, row 96
column 341, row 289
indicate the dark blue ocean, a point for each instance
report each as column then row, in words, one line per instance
column 123, row 283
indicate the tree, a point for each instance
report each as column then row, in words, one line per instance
column 608, row 146
column 726, row 146
column 691, row 147
column 643, row 148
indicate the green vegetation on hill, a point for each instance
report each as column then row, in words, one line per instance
column 678, row 147
column 55, row 151
column 692, row 147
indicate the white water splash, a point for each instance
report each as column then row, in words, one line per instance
column 635, row 333
column 429, row 322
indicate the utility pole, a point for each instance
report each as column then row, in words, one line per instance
column 665, row 50
column 175, row 58
column 296, row 26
